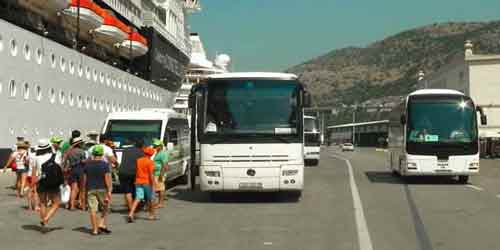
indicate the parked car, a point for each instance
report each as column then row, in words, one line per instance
column 347, row 147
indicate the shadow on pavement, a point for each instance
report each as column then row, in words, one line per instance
column 82, row 230
column 250, row 197
column 390, row 178
column 40, row 229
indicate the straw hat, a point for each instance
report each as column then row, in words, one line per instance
column 76, row 140
column 43, row 144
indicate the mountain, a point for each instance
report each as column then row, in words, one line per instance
column 386, row 70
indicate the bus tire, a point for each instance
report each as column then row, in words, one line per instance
column 464, row 179
column 315, row 162
column 294, row 195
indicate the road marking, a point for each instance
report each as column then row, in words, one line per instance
column 365, row 242
column 268, row 243
column 474, row 187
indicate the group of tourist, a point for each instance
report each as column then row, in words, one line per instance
column 85, row 168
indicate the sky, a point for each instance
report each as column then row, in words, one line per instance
column 273, row 35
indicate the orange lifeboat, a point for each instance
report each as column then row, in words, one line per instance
column 112, row 32
column 90, row 16
column 46, row 8
column 134, row 46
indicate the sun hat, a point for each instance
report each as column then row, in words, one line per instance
column 148, row 151
column 76, row 140
column 157, row 142
column 43, row 144
column 56, row 139
column 98, row 150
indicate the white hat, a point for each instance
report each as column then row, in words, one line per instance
column 77, row 140
column 43, row 144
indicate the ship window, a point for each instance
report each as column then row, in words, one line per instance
column 38, row 90
column 87, row 72
column 113, row 82
column 95, row 75
column 94, row 103
column 1, row 43
column 12, row 88
column 87, row 102
column 101, row 77
column 119, row 84
column 62, row 64
column 80, row 101
column 52, row 94
column 107, row 106
column 108, row 80
column 26, row 91
column 13, row 47
column 71, row 67
column 39, row 56
column 113, row 107
column 71, row 99
column 80, row 70
column 53, row 60
column 101, row 105
column 27, row 52
column 62, row 97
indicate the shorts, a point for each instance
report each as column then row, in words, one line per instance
column 127, row 183
column 22, row 171
column 75, row 175
column 49, row 190
column 143, row 192
column 95, row 199
column 159, row 186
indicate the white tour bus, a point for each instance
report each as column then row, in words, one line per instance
column 249, row 127
column 125, row 128
column 312, row 141
column 435, row 132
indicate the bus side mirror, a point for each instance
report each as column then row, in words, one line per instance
column 307, row 99
column 484, row 120
column 402, row 119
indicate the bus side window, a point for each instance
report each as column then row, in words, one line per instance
column 172, row 137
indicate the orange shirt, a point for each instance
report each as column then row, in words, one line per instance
column 145, row 168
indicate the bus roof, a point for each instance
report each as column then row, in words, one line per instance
column 146, row 114
column 436, row 92
column 254, row 75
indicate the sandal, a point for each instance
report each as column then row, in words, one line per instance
column 104, row 230
column 130, row 219
column 94, row 233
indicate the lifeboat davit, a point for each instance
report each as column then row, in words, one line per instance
column 90, row 16
column 112, row 32
column 134, row 46
column 46, row 8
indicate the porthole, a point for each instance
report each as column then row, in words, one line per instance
column 71, row 67
column 62, row 64
column 52, row 95
column 101, row 105
column 129, row 88
column 1, row 88
column 79, row 100
column 108, row 81
column 113, row 82
column 1, row 43
column 101, row 77
column 80, row 70
column 27, row 52
column 13, row 47
column 39, row 55
column 53, row 60
column 119, row 84
column 107, row 106
column 87, row 102
column 113, row 107
column 51, row 132
column 38, row 93
column 12, row 88
column 94, row 103
column 36, row 132
column 71, row 99
column 26, row 91
column 94, row 74
column 87, row 72
column 62, row 97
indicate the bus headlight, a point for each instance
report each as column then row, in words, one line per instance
column 212, row 173
column 474, row 165
column 290, row 172
column 412, row 165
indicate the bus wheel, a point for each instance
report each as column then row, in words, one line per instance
column 464, row 179
column 314, row 162
column 294, row 195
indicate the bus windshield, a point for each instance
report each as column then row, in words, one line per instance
column 441, row 120
column 252, row 107
column 127, row 132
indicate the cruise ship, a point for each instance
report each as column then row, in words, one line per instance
column 65, row 64
column 199, row 68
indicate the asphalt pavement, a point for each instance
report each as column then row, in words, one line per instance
column 423, row 213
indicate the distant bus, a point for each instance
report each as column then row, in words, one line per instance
column 249, row 127
column 126, row 128
column 312, row 141
column 435, row 132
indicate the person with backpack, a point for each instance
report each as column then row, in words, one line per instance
column 20, row 160
column 51, row 178
column 97, row 181
column 73, row 160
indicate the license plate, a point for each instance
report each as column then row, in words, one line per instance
column 250, row 185
column 443, row 164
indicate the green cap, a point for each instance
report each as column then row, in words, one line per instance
column 56, row 139
column 98, row 150
column 157, row 142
